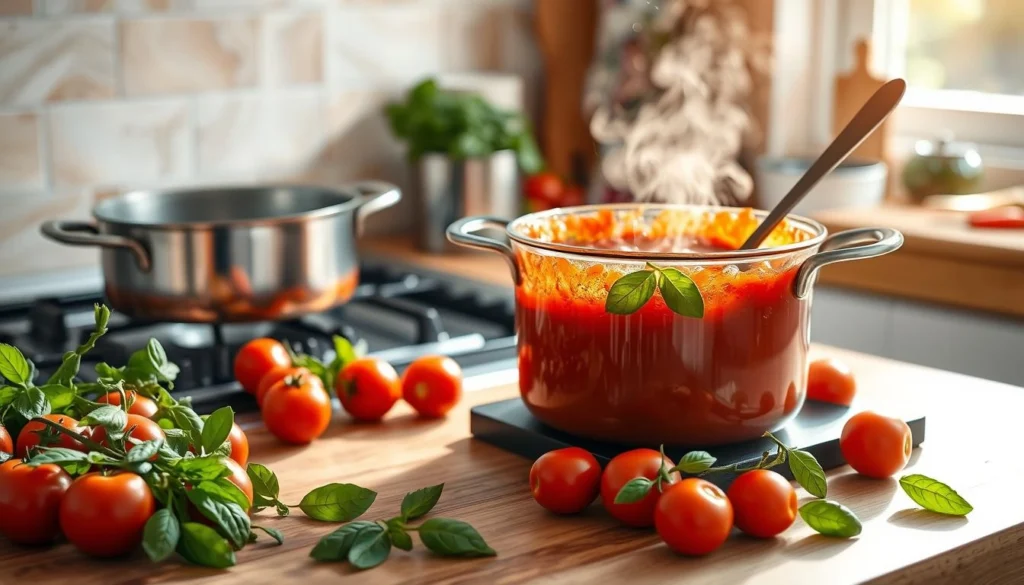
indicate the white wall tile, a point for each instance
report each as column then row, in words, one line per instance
column 371, row 45
column 20, row 164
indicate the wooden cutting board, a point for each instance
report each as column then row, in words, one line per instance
column 852, row 90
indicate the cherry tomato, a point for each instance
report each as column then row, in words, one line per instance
column 141, row 427
column 876, row 445
column 256, row 358
column 104, row 515
column 276, row 375
column 297, row 409
column 368, row 388
column 30, row 434
column 140, row 405
column 239, row 477
column 831, row 380
column 30, row 501
column 565, row 481
column 625, row 467
column 764, row 503
column 239, row 445
column 6, row 443
column 693, row 517
column 544, row 188
column 572, row 195
column 432, row 385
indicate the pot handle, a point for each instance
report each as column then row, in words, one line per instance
column 849, row 245
column 376, row 196
column 463, row 233
column 80, row 233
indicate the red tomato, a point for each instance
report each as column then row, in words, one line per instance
column 30, row 434
column 693, row 517
column 6, row 443
column 875, row 445
column 30, row 501
column 141, row 427
column 571, row 196
column 764, row 503
column 276, row 375
column 239, row 477
column 565, row 481
column 432, row 385
column 368, row 388
column 544, row 188
column 625, row 467
column 140, row 405
column 256, row 358
column 103, row 515
column 239, row 445
column 297, row 410
column 831, row 380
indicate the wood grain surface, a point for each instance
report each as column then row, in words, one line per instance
column 972, row 443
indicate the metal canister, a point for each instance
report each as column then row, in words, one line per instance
column 447, row 190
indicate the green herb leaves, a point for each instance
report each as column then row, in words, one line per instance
column 632, row 291
column 337, row 502
column 14, row 367
column 31, row 403
column 830, row 518
column 808, row 472
column 635, row 490
column 367, row 544
column 217, row 428
column 935, row 496
column 108, row 416
column 161, row 535
column 201, row 545
column 695, row 462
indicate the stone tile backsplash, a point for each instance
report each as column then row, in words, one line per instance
column 99, row 97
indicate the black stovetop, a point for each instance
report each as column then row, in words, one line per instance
column 398, row 313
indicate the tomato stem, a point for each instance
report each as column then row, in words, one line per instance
column 92, row 445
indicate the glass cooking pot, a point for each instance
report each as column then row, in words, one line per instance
column 655, row 376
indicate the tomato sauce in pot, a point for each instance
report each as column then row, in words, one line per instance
column 655, row 376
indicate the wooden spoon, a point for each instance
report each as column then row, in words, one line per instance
column 870, row 116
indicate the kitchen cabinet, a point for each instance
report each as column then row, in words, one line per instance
column 963, row 341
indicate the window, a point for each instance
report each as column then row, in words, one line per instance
column 963, row 61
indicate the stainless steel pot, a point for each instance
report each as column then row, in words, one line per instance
column 228, row 254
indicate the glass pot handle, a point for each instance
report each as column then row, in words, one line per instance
column 849, row 245
column 463, row 233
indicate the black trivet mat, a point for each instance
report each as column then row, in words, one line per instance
column 510, row 426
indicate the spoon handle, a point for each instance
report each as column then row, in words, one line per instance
column 870, row 116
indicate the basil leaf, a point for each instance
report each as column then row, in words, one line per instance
column 13, row 366
column 57, row 455
column 108, row 416
column 7, row 394
column 187, row 420
column 223, row 489
column 371, row 547
column 151, row 362
column 935, row 496
column 272, row 532
column 680, row 293
column 631, row 292
column 177, row 441
column 201, row 545
column 807, row 472
column 419, row 502
column 635, row 490
column 31, row 403
column 60, row 397
column 344, row 352
column 399, row 537
column 144, row 451
column 72, row 360
column 203, row 468
column 335, row 545
column 228, row 516
column 217, row 428
column 265, row 487
column 337, row 502
column 453, row 538
column 830, row 518
column 160, row 536
column 696, row 462
column 96, row 457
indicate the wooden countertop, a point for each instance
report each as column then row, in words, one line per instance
column 943, row 260
column 972, row 438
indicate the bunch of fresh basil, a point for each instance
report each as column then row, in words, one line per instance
column 461, row 125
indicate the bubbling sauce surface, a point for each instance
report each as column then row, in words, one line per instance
column 654, row 376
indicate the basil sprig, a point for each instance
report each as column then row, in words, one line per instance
column 632, row 291
column 934, row 496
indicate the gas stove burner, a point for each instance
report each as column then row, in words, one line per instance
column 397, row 315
